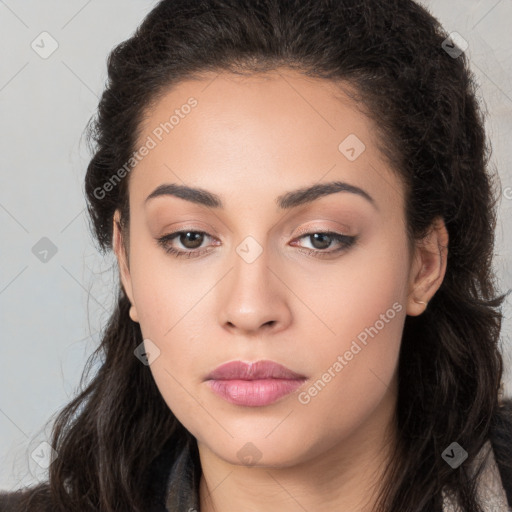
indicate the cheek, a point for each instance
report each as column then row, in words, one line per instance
column 355, row 371
column 170, row 314
column 363, row 307
column 163, row 292
column 360, row 290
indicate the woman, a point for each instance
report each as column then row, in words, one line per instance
column 297, row 195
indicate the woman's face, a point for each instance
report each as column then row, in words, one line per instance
column 262, row 282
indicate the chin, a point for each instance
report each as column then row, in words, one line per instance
column 253, row 451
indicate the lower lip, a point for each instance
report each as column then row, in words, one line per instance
column 254, row 393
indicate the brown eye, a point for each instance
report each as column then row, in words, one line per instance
column 322, row 240
column 194, row 238
column 190, row 240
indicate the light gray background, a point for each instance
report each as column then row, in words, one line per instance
column 51, row 312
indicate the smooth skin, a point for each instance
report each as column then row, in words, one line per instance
column 250, row 140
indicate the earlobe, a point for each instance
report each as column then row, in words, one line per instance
column 133, row 314
column 429, row 267
column 124, row 271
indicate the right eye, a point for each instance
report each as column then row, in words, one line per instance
column 188, row 238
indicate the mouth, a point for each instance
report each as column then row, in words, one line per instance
column 253, row 384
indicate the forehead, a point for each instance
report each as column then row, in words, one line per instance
column 225, row 132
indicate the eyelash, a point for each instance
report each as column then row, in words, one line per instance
column 345, row 241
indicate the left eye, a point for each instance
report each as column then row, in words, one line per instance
column 193, row 240
column 323, row 239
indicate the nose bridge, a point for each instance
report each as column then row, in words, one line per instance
column 253, row 296
column 251, row 273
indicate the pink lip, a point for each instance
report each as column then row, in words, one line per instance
column 253, row 384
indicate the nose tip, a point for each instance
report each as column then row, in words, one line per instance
column 253, row 300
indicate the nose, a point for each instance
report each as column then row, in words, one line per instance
column 254, row 298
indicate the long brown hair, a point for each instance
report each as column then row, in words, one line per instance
column 422, row 99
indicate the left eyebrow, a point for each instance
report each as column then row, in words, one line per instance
column 287, row 200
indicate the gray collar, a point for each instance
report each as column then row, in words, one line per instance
column 490, row 489
column 182, row 494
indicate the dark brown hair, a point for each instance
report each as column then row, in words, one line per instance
column 423, row 101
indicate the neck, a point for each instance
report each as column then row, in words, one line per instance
column 344, row 477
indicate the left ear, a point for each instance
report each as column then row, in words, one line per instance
column 428, row 268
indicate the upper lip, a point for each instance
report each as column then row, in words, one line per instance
column 252, row 371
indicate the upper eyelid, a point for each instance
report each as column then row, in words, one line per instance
column 342, row 229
